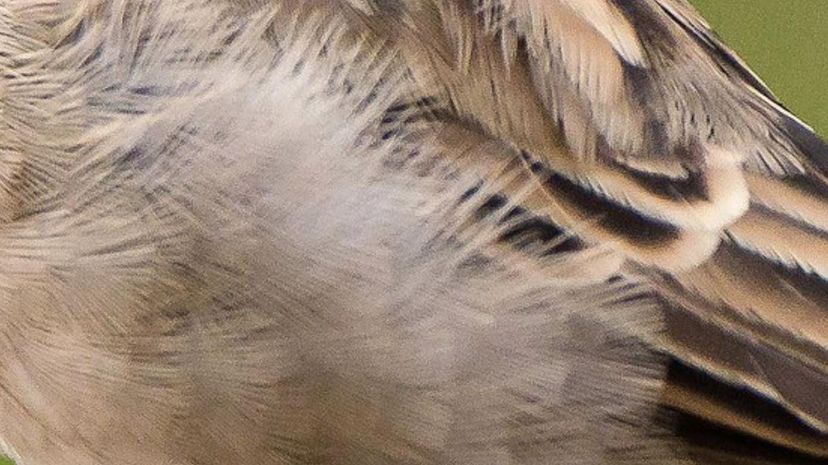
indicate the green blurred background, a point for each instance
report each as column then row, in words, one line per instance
column 785, row 42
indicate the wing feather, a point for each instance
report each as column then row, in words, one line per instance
column 650, row 137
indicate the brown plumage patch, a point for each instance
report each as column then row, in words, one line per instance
column 407, row 231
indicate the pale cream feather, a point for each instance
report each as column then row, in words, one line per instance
column 409, row 231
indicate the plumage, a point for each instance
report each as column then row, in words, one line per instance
column 403, row 231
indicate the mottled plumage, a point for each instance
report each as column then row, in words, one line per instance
column 403, row 231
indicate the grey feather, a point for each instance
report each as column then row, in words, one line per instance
column 432, row 232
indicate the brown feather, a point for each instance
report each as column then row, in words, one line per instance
column 406, row 231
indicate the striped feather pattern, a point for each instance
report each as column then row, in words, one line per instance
column 403, row 231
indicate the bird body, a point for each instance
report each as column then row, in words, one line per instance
column 410, row 232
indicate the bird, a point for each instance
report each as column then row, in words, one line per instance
column 403, row 232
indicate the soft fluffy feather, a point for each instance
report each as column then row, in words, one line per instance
column 366, row 232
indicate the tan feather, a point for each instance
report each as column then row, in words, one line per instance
column 410, row 231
